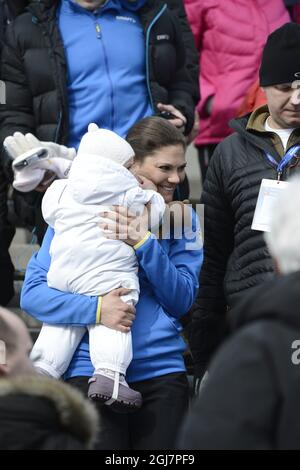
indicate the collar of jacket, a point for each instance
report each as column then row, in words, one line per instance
column 75, row 413
column 258, row 136
column 273, row 300
column 256, row 124
column 45, row 10
column 111, row 4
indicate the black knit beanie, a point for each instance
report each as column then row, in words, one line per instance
column 281, row 56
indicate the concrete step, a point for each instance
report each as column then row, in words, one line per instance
column 14, row 305
column 21, row 251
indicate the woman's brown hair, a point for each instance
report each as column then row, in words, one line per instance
column 151, row 134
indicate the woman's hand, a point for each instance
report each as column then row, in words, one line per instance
column 115, row 313
column 121, row 224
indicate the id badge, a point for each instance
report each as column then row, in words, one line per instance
column 269, row 193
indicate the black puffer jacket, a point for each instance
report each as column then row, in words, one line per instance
column 16, row 6
column 235, row 257
column 44, row 414
column 251, row 398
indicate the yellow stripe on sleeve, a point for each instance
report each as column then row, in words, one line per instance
column 98, row 314
column 141, row 242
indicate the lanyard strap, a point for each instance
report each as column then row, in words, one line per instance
column 285, row 159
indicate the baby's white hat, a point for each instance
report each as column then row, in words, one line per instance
column 105, row 143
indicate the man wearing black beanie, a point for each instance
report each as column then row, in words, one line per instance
column 236, row 258
column 280, row 75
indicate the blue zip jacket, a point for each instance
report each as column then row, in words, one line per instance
column 106, row 83
column 168, row 275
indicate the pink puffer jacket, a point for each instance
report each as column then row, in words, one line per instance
column 230, row 35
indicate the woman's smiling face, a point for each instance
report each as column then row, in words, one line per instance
column 165, row 168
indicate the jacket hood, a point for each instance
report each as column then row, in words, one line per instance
column 42, row 7
column 97, row 173
column 278, row 299
column 105, row 144
column 96, row 180
column 22, row 407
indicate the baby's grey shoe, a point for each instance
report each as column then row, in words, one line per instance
column 101, row 389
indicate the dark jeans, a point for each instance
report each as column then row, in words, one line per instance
column 7, row 232
column 205, row 153
column 155, row 425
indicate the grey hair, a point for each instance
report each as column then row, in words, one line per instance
column 283, row 240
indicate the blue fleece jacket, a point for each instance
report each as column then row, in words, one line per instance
column 106, row 62
column 168, row 275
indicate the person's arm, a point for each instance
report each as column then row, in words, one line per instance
column 55, row 307
column 209, row 311
column 173, row 275
column 192, row 58
column 183, row 90
column 17, row 113
column 237, row 405
column 196, row 11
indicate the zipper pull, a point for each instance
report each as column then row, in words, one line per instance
column 279, row 175
column 98, row 31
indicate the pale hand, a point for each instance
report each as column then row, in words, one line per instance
column 121, row 224
column 180, row 121
column 115, row 313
